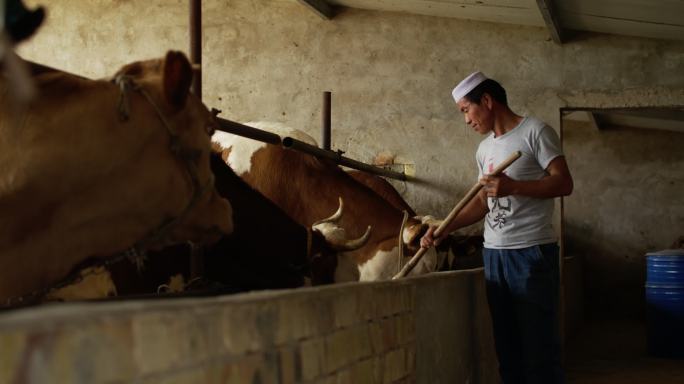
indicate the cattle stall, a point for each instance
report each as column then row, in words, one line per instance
column 589, row 69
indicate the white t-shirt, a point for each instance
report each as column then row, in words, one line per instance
column 519, row 221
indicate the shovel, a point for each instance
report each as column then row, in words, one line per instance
column 471, row 193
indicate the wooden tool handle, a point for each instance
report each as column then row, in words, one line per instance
column 454, row 212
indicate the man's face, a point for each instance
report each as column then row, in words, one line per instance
column 478, row 116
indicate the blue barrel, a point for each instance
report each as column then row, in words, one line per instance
column 665, row 303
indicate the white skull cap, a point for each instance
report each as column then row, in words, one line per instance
column 468, row 84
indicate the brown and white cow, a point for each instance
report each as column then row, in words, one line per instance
column 306, row 188
column 92, row 167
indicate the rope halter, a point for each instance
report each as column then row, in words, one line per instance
column 186, row 155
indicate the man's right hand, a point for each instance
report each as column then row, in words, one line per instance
column 428, row 240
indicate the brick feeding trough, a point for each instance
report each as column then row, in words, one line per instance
column 432, row 328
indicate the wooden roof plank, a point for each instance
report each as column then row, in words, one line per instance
column 665, row 12
column 623, row 27
column 548, row 11
column 516, row 12
column 320, row 7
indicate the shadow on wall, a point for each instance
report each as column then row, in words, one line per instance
column 629, row 177
column 613, row 281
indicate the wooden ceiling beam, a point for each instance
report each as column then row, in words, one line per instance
column 320, row 7
column 548, row 11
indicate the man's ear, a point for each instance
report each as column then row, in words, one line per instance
column 487, row 101
column 177, row 78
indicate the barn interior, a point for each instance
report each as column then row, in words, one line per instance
column 608, row 76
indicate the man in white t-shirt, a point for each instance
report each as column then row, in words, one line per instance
column 520, row 248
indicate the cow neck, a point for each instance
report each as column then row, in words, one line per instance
column 362, row 206
column 136, row 252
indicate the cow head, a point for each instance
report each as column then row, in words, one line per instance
column 93, row 167
column 412, row 233
column 199, row 213
column 336, row 235
column 329, row 242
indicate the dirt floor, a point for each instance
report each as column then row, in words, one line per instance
column 609, row 351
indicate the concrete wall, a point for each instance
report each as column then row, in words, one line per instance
column 429, row 329
column 390, row 74
column 432, row 329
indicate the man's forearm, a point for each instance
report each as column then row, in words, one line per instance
column 474, row 211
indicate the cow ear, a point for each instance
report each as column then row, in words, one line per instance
column 177, row 78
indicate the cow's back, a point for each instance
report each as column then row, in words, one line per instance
column 383, row 188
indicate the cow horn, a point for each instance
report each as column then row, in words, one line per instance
column 351, row 245
column 334, row 218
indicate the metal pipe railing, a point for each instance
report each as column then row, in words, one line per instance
column 196, row 45
column 195, row 33
column 291, row 143
column 247, row 131
column 294, row 144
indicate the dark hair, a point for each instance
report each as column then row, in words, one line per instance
column 492, row 87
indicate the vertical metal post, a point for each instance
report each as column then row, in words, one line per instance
column 562, row 305
column 327, row 119
column 196, row 253
column 196, row 45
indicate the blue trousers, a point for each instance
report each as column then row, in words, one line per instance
column 522, row 293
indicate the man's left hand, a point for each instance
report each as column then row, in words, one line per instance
column 497, row 186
